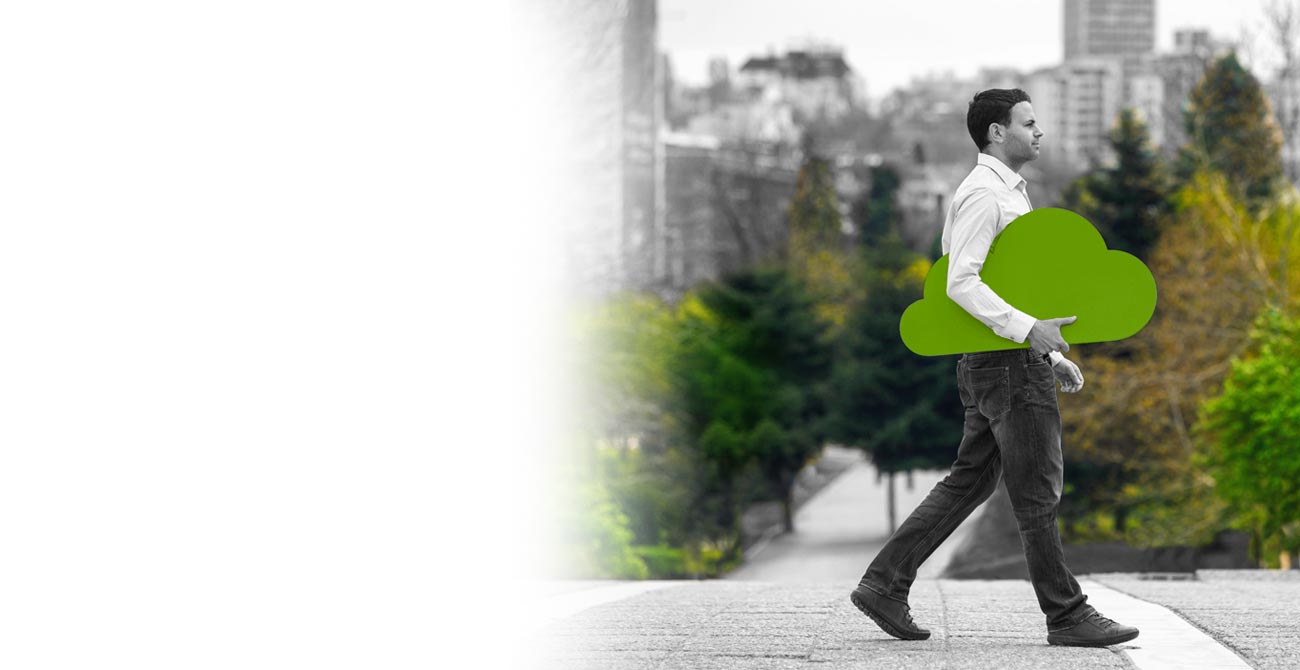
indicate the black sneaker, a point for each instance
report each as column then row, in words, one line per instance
column 1094, row 630
column 892, row 616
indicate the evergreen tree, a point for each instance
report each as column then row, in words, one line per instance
column 752, row 381
column 816, row 254
column 1231, row 128
column 876, row 211
column 901, row 408
column 814, row 208
column 1126, row 201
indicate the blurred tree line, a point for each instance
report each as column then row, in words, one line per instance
column 1178, row 433
column 696, row 409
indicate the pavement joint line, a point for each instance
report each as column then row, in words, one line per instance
column 1167, row 641
column 565, row 605
column 943, row 617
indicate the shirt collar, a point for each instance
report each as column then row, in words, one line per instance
column 1009, row 176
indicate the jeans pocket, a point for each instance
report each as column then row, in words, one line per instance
column 1041, row 384
column 992, row 390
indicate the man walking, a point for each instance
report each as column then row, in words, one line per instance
column 1013, row 424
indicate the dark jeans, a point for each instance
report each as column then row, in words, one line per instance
column 1013, row 428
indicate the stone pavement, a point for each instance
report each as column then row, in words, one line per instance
column 722, row 624
column 975, row 624
column 1255, row 613
column 789, row 608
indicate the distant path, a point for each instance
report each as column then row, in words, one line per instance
column 839, row 531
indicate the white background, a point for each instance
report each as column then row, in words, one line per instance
column 261, row 310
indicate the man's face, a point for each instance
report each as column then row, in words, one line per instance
column 1022, row 135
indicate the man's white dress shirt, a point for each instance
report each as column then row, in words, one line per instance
column 989, row 199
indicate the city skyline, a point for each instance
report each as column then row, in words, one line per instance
column 692, row 32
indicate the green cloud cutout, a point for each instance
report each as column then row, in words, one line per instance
column 1048, row 263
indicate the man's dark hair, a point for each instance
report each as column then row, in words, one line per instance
column 991, row 106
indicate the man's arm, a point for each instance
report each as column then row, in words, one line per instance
column 973, row 230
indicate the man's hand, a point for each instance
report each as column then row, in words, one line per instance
column 1069, row 375
column 1045, row 335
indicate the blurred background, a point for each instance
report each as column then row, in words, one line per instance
column 748, row 195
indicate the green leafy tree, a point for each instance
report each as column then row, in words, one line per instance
column 1126, row 201
column 1231, row 128
column 1253, row 428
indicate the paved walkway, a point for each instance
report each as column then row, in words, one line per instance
column 1253, row 613
column 789, row 608
column 1224, row 620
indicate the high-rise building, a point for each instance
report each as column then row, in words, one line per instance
column 1077, row 102
column 1194, row 41
column 642, row 159
column 1109, row 27
column 604, row 86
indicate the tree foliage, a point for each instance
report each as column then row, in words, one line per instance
column 598, row 540
column 1253, row 433
column 814, row 207
column 816, row 253
column 902, row 409
column 751, row 389
column 1128, row 436
column 626, row 480
column 1125, row 201
column 876, row 212
column 1225, row 251
column 624, row 345
column 1231, row 129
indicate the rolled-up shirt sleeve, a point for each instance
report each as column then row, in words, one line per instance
column 972, row 233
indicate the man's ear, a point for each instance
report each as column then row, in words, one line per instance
column 995, row 132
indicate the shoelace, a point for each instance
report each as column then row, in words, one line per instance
column 1101, row 620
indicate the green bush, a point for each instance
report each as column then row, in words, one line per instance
column 663, row 562
column 666, row 562
column 1253, row 434
column 599, row 543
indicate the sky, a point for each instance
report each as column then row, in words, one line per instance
column 888, row 43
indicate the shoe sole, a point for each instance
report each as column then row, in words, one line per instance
column 882, row 622
column 1105, row 642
